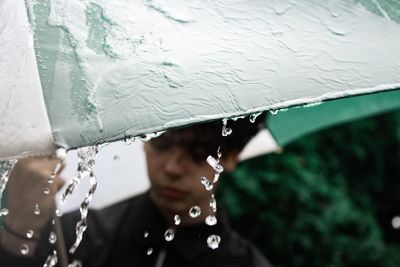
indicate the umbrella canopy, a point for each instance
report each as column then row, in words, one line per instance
column 83, row 72
column 289, row 125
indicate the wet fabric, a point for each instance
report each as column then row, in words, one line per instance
column 116, row 237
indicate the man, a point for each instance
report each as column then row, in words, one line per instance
column 175, row 223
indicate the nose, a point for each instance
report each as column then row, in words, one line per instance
column 176, row 162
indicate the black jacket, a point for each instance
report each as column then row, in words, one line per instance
column 115, row 236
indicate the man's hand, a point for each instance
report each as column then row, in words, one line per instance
column 26, row 188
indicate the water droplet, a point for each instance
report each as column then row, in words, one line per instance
column 214, row 163
column 219, row 153
column 254, row 116
column 169, row 234
column 52, row 238
column 51, row 260
column 36, row 210
column 75, row 263
column 237, row 118
column 211, row 220
column 146, row 234
column 116, row 157
column 149, row 251
column 396, row 222
column 213, row 203
column 130, row 140
column 207, row 183
column 3, row 212
column 177, row 219
column 194, row 211
column 24, row 249
column 61, row 154
column 225, row 129
column 29, row 234
column 216, row 177
column 273, row 112
column 46, row 191
column 51, row 179
column 213, row 241
column 148, row 137
column 58, row 213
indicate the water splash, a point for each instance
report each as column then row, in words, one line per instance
column 225, row 129
column 195, row 211
column 51, row 260
column 5, row 170
column 254, row 116
column 86, row 161
column 169, row 234
column 177, row 219
column 213, row 241
column 85, row 168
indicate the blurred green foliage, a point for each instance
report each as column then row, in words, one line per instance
column 328, row 200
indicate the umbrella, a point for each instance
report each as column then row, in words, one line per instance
column 290, row 124
column 76, row 73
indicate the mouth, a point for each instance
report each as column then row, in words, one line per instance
column 170, row 192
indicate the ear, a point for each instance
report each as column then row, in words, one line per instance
column 230, row 161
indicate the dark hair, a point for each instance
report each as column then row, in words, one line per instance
column 201, row 140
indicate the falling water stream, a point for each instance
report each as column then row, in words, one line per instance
column 86, row 163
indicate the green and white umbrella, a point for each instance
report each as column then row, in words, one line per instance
column 290, row 124
column 79, row 72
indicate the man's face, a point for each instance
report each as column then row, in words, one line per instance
column 175, row 179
